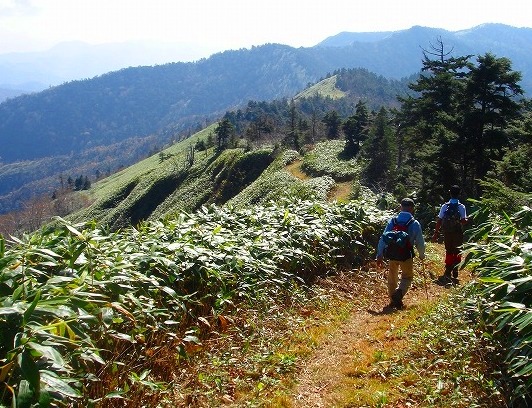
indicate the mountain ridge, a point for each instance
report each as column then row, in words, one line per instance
column 164, row 103
column 68, row 61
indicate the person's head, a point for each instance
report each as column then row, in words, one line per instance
column 454, row 191
column 407, row 204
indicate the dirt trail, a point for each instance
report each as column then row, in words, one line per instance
column 346, row 351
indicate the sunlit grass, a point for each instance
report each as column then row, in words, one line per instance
column 294, row 168
column 324, row 88
column 177, row 151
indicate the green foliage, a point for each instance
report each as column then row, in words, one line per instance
column 332, row 123
column 274, row 184
column 356, row 129
column 223, row 132
column 514, row 168
column 327, row 158
column 71, row 293
column 380, row 170
column 152, row 188
column 237, row 174
column 500, row 198
column 500, row 252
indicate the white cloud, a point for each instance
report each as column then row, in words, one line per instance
column 229, row 24
column 10, row 8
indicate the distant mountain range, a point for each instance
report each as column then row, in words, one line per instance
column 161, row 103
column 67, row 61
column 393, row 54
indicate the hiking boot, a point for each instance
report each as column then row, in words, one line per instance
column 397, row 299
column 455, row 276
column 444, row 280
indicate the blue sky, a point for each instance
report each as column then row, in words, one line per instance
column 208, row 26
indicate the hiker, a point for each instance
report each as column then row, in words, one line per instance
column 381, row 202
column 451, row 219
column 401, row 254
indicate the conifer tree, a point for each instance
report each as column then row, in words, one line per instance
column 356, row 129
column 454, row 127
column 332, row 121
column 380, row 154
column 489, row 105
column 223, row 132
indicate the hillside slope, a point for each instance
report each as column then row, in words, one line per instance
column 165, row 183
column 95, row 152
column 250, row 305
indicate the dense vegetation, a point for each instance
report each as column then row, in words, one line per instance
column 461, row 123
column 500, row 251
column 83, row 310
column 91, row 316
column 109, row 139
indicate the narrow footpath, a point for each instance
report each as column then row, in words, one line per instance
column 341, row 362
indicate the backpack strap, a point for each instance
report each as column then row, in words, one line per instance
column 395, row 221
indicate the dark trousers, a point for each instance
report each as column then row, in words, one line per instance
column 453, row 242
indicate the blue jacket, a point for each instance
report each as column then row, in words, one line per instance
column 415, row 234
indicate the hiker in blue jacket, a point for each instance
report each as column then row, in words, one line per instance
column 451, row 219
column 405, row 219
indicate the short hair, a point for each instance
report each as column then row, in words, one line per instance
column 454, row 191
column 407, row 202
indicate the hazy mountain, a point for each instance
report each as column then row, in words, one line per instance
column 162, row 99
column 394, row 54
column 346, row 38
column 166, row 102
column 9, row 93
column 36, row 71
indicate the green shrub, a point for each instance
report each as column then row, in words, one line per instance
column 500, row 251
column 78, row 302
column 327, row 159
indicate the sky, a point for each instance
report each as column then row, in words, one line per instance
column 209, row 26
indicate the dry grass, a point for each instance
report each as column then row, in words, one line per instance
column 294, row 168
column 342, row 191
column 341, row 371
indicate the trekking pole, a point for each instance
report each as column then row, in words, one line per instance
column 424, row 273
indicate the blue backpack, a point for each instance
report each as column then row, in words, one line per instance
column 397, row 241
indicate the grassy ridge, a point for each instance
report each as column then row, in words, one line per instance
column 324, row 88
column 165, row 183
